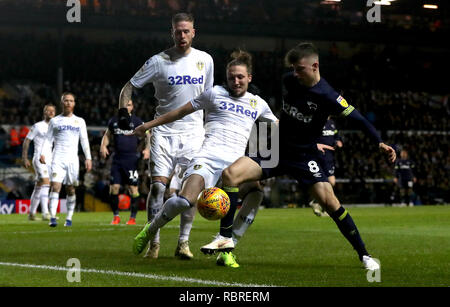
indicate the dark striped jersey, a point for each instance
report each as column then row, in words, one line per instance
column 124, row 144
column 305, row 112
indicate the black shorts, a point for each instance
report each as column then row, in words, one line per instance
column 306, row 168
column 328, row 166
column 124, row 171
column 405, row 183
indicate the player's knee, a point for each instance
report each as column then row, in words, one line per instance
column 229, row 177
column 157, row 190
column 114, row 189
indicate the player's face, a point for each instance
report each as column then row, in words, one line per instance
column 305, row 70
column 68, row 103
column 403, row 154
column 130, row 106
column 183, row 33
column 49, row 113
column 238, row 79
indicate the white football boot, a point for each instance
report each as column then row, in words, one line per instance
column 220, row 243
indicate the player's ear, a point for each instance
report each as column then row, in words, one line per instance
column 249, row 78
column 193, row 32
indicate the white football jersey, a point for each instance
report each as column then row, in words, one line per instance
column 66, row 132
column 229, row 121
column 176, row 83
column 37, row 134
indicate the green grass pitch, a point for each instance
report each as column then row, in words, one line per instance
column 284, row 247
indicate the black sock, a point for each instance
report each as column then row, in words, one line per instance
column 134, row 206
column 114, row 202
column 348, row 228
column 226, row 223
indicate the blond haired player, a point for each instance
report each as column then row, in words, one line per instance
column 178, row 74
column 37, row 135
column 65, row 131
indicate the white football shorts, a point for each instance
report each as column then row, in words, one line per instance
column 209, row 169
column 168, row 151
column 65, row 172
column 41, row 170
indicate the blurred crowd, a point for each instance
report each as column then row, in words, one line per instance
column 301, row 12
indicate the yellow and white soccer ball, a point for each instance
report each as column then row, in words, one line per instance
column 213, row 203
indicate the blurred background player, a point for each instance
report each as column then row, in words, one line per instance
column 231, row 112
column 308, row 102
column 66, row 131
column 41, row 189
column 329, row 137
column 404, row 178
column 178, row 74
column 124, row 168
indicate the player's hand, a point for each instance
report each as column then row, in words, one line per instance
column 139, row 131
column 389, row 150
column 42, row 159
column 146, row 154
column 88, row 165
column 26, row 162
column 323, row 147
column 395, row 180
column 104, row 152
column 339, row 144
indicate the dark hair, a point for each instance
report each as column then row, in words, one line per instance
column 299, row 52
column 68, row 93
column 240, row 57
column 182, row 17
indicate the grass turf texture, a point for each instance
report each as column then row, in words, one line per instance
column 284, row 247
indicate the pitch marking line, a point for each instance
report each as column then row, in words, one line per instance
column 139, row 275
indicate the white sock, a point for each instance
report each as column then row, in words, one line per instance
column 35, row 198
column 53, row 206
column 246, row 214
column 171, row 208
column 44, row 198
column 71, row 202
column 155, row 202
column 186, row 221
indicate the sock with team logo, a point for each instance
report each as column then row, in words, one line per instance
column 44, row 199
column 171, row 208
column 246, row 215
column 53, row 205
column 71, row 203
column 226, row 224
column 348, row 228
column 155, row 201
column 134, row 206
column 35, row 199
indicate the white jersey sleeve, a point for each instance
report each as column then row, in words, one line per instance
column 84, row 140
column 32, row 133
column 47, row 142
column 204, row 100
column 147, row 74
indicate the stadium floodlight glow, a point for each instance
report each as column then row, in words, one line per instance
column 430, row 6
column 330, row 1
column 382, row 2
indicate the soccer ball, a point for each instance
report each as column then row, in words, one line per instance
column 213, row 204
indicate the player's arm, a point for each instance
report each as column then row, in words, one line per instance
column 84, row 140
column 164, row 119
column 354, row 114
column 146, row 151
column 104, row 144
column 26, row 146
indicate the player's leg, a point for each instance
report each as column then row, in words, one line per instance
column 252, row 197
column 45, row 189
column 134, row 206
column 71, row 202
column 55, row 188
column 155, row 200
column 323, row 192
column 192, row 186
column 34, row 201
column 182, row 250
column 242, row 170
column 114, row 190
